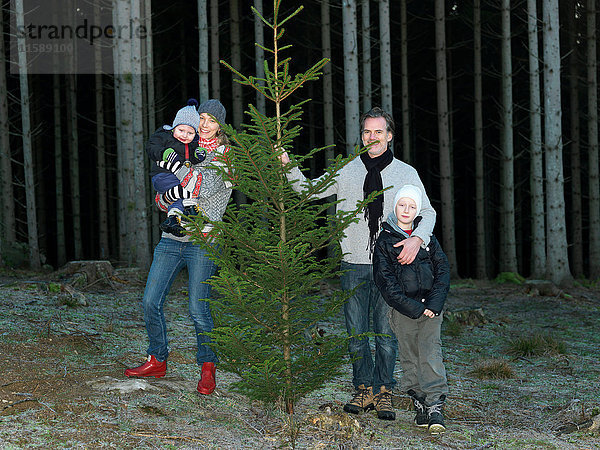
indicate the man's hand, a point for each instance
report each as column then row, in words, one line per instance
column 429, row 313
column 410, row 248
column 284, row 158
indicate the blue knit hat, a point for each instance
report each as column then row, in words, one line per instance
column 215, row 108
column 186, row 116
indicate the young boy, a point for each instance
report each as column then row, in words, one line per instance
column 171, row 144
column 417, row 293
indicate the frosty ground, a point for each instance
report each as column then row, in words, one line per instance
column 63, row 353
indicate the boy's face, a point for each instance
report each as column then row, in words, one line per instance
column 184, row 133
column 208, row 127
column 406, row 210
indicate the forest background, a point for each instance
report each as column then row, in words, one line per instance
column 495, row 104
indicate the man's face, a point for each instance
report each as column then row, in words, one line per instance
column 375, row 132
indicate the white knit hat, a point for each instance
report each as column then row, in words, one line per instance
column 188, row 115
column 411, row 191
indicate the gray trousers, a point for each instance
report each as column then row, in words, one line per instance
column 420, row 354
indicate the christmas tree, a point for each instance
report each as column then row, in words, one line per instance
column 271, row 250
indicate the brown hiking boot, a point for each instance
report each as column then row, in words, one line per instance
column 362, row 400
column 383, row 405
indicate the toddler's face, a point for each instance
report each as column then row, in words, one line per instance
column 208, row 126
column 184, row 133
column 406, row 210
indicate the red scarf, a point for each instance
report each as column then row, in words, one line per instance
column 209, row 144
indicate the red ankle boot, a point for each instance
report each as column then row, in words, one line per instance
column 151, row 368
column 208, row 380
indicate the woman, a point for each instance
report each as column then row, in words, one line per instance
column 173, row 253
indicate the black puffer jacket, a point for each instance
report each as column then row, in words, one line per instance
column 411, row 288
column 163, row 139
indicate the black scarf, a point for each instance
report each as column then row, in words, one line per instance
column 373, row 183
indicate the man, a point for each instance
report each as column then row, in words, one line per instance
column 372, row 171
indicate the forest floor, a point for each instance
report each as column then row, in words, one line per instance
column 62, row 357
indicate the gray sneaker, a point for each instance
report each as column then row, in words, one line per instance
column 422, row 417
column 436, row 416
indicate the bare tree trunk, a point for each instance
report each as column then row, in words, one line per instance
column 508, row 254
column 203, row 51
column 446, row 185
column 557, row 258
column 576, row 241
column 32, row 230
column 214, row 48
column 385, row 57
column 406, row 150
column 101, row 150
column 259, row 53
column 366, row 93
column 481, row 263
column 236, row 89
column 124, row 96
column 327, row 81
column 7, row 217
column 538, row 229
column 142, row 247
column 351, row 86
column 74, row 163
column 593, row 177
column 151, row 108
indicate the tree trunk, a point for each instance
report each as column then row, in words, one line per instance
column 32, row 230
column 557, row 259
column 138, row 156
column 404, row 76
column 446, row 184
column 214, row 48
column 7, row 201
column 151, row 108
column 236, row 88
column 366, row 94
column 203, row 51
column 481, row 262
column 508, row 254
column 327, row 81
column 74, row 163
column 538, row 229
column 593, row 177
column 385, row 57
column 101, row 151
column 259, row 53
column 351, row 87
column 124, row 97
column 576, row 241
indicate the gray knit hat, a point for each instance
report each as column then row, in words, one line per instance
column 214, row 108
column 186, row 116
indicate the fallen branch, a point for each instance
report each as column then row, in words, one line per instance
column 156, row 436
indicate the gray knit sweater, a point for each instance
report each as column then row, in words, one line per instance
column 214, row 192
column 349, row 190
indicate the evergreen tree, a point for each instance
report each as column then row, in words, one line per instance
column 272, row 250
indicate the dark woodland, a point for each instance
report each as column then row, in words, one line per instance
column 176, row 78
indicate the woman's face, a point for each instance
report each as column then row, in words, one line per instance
column 208, row 127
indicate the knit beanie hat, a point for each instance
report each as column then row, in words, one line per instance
column 411, row 191
column 186, row 116
column 214, row 108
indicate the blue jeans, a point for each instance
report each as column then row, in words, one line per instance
column 357, row 311
column 170, row 256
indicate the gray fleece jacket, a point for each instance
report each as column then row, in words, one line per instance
column 349, row 189
column 214, row 192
